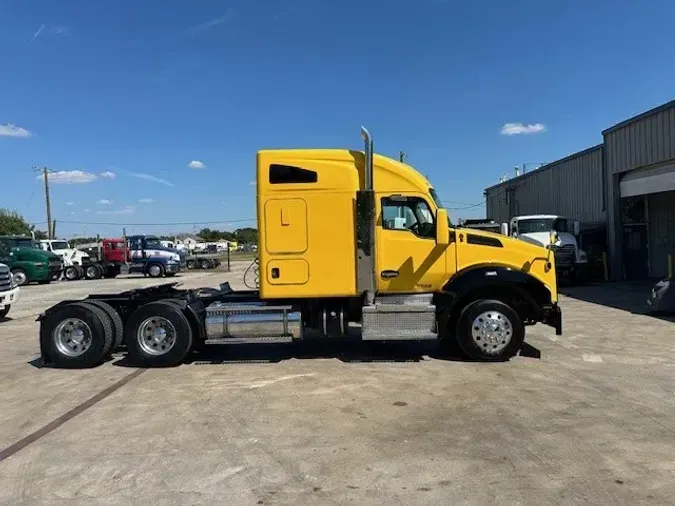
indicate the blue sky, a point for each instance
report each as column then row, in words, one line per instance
column 129, row 93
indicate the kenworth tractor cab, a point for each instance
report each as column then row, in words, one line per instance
column 347, row 239
column 571, row 262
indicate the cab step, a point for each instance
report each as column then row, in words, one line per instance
column 402, row 318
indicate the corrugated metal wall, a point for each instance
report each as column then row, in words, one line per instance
column 572, row 187
column 661, row 231
column 647, row 141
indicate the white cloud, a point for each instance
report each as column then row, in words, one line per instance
column 196, row 164
column 69, row 177
column 251, row 183
column 146, row 201
column 124, row 210
column 104, row 202
column 86, row 210
column 522, row 129
column 53, row 30
column 212, row 23
column 10, row 130
column 71, row 203
column 38, row 32
column 108, row 175
column 149, row 177
column 72, row 213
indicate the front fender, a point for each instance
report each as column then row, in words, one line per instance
column 493, row 278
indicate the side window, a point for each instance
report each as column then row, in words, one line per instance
column 284, row 174
column 410, row 214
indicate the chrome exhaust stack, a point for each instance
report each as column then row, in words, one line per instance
column 366, row 221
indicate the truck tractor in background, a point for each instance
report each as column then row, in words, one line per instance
column 571, row 262
column 142, row 254
column 82, row 264
column 27, row 261
column 390, row 267
column 147, row 256
column 9, row 291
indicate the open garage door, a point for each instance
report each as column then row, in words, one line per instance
column 647, row 181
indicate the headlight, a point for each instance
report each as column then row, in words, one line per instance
column 12, row 281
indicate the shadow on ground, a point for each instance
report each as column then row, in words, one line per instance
column 628, row 296
column 345, row 350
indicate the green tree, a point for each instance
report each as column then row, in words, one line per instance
column 246, row 235
column 12, row 223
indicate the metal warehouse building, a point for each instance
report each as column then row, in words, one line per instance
column 622, row 192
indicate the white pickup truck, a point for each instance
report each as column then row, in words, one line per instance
column 9, row 291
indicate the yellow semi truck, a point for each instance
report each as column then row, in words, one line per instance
column 347, row 239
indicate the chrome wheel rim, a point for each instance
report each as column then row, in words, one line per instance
column 156, row 336
column 19, row 277
column 71, row 273
column 91, row 272
column 154, row 270
column 492, row 332
column 72, row 337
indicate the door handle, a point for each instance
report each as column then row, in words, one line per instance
column 389, row 274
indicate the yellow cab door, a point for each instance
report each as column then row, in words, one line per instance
column 407, row 257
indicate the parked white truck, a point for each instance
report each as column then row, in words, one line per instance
column 9, row 291
column 571, row 262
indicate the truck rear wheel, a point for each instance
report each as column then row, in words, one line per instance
column 191, row 264
column 490, row 330
column 115, row 319
column 71, row 273
column 93, row 271
column 77, row 335
column 158, row 334
column 205, row 264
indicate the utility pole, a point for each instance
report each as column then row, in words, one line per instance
column 45, row 171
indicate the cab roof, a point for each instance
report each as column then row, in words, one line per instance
column 389, row 174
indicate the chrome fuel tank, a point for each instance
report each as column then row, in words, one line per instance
column 226, row 320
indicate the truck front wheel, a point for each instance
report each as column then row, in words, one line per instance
column 3, row 312
column 20, row 277
column 490, row 330
column 155, row 270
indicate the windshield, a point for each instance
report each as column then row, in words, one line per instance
column 20, row 242
column 438, row 202
column 152, row 242
column 533, row 226
column 60, row 245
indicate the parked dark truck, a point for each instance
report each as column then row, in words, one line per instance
column 27, row 261
column 345, row 237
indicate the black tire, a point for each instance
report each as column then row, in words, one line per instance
column 115, row 318
column 100, row 332
column 92, row 271
column 205, row 264
column 3, row 312
column 170, row 274
column 80, row 271
column 155, row 270
column 197, row 342
column 182, row 338
column 56, row 276
column 511, row 330
column 71, row 273
column 191, row 264
column 22, row 276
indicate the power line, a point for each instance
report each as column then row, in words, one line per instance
column 219, row 222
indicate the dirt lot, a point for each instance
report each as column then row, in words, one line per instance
column 588, row 417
